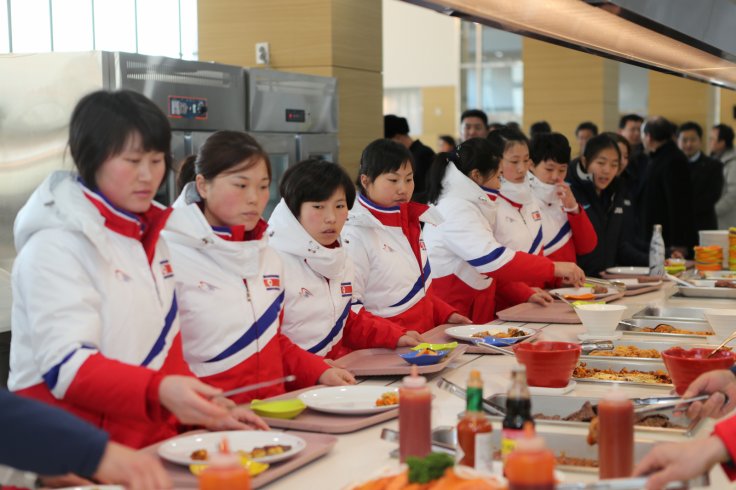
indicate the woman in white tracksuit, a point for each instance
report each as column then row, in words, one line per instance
column 305, row 227
column 230, row 281
column 95, row 319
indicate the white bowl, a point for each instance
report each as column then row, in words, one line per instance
column 722, row 321
column 600, row 319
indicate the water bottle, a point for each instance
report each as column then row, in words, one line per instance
column 656, row 253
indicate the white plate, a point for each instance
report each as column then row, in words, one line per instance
column 701, row 290
column 179, row 449
column 635, row 271
column 465, row 332
column 94, row 487
column 579, row 291
column 632, row 283
column 347, row 400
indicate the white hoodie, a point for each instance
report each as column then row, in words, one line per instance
column 519, row 220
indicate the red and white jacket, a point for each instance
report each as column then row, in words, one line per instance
column 319, row 288
column 725, row 430
column 565, row 233
column 95, row 325
column 519, row 219
column 231, row 293
column 392, row 273
column 466, row 254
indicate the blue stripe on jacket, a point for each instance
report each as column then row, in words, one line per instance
column 339, row 324
column 560, row 234
column 537, row 241
column 51, row 377
column 416, row 287
column 255, row 331
column 160, row 343
column 486, row 259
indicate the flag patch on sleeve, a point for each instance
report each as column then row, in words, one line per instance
column 272, row 282
column 346, row 289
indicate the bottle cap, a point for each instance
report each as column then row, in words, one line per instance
column 615, row 394
column 414, row 380
column 225, row 460
column 530, row 441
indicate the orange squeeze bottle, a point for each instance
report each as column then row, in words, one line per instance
column 225, row 472
column 615, row 436
column 530, row 466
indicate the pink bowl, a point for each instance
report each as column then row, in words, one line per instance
column 686, row 365
column 548, row 364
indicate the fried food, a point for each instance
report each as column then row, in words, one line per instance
column 508, row 334
column 665, row 328
column 199, row 455
column 628, row 351
column 598, row 289
column 255, row 453
column 579, row 297
column 427, row 352
column 593, row 428
column 634, row 376
column 722, row 283
column 388, row 398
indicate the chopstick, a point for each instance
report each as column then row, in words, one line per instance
column 256, row 386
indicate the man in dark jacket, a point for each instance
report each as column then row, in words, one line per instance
column 666, row 195
column 397, row 129
column 706, row 176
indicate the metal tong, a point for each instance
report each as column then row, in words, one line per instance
column 645, row 406
column 459, row 391
column 256, row 386
column 617, row 285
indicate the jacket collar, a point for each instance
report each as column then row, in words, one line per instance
column 367, row 214
column 517, row 194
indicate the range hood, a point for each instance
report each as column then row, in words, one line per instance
column 692, row 39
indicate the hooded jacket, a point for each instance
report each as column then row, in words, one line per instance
column 231, row 296
column 466, row 254
column 319, row 294
column 392, row 272
column 518, row 218
column 77, row 342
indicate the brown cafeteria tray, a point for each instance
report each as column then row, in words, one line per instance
column 386, row 362
column 557, row 312
column 644, row 290
column 315, row 421
column 317, row 446
column 642, row 278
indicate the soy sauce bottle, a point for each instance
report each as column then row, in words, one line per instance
column 518, row 411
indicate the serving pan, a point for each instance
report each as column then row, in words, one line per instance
column 644, row 344
column 683, row 313
column 606, row 363
column 634, row 326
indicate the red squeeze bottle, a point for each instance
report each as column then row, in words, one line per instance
column 415, row 426
column 530, row 466
column 615, row 436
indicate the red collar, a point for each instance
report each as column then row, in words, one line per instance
column 145, row 227
column 239, row 234
column 491, row 193
column 513, row 203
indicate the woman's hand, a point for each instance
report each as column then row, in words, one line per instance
column 189, row 400
column 239, row 418
column 570, row 273
column 411, row 338
column 135, row 470
column 565, row 194
column 540, row 297
column 718, row 384
column 336, row 377
column 458, row 318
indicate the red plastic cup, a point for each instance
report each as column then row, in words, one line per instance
column 686, row 365
column 548, row 364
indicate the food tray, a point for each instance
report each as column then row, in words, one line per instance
column 317, row 446
column 695, row 326
column 645, row 344
column 557, row 312
column 314, row 421
column 564, row 405
column 644, row 366
column 700, row 290
column 643, row 290
column 683, row 313
column 386, row 362
column 438, row 336
column 641, row 278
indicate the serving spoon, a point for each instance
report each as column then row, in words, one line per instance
column 728, row 339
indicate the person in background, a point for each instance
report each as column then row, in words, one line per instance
column 566, row 229
column 95, row 315
column 538, row 128
column 629, row 126
column 6, row 301
column 473, row 124
column 383, row 238
column 706, row 174
column 721, row 147
column 583, row 133
column 48, row 441
column 305, row 230
column 624, row 148
column 229, row 282
column 470, row 266
column 397, row 129
column 494, row 126
column 446, row 143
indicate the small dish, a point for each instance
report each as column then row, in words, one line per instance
column 420, row 359
column 278, row 409
column 424, row 345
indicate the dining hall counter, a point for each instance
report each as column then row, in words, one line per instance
column 358, row 456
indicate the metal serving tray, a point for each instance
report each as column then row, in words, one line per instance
column 645, row 366
column 564, row 405
column 672, row 313
column 695, row 326
column 645, row 344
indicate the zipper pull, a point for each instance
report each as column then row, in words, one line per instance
column 247, row 290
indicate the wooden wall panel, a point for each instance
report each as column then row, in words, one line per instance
column 357, row 34
column 439, row 114
column 681, row 100
column 728, row 102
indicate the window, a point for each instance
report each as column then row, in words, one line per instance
column 72, row 25
column 405, row 102
column 4, row 34
column 31, row 26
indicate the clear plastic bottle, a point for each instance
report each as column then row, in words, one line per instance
column 615, row 435
column 415, row 410
column 475, row 447
column 518, row 410
column 530, row 466
column 656, row 253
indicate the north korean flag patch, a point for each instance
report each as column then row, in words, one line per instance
column 536, row 216
column 272, row 282
column 422, row 245
column 346, row 289
column 166, row 269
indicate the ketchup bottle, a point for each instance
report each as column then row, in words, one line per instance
column 415, row 426
column 225, row 472
column 615, row 435
column 530, row 466
column 475, row 447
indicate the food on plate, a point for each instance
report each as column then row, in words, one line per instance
column 255, row 453
column 508, row 334
column 665, row 328
column 586, row 413
column 593, row 431
column 388, row 398
column 598, row 289
column 634, row 376
column 199, row 455
column 579, row 297
column 628, row 351
column 427, row 352
column 723, row 283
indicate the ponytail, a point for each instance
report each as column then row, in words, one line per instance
column 473, row 154
column 187, row 172
column 436, row 174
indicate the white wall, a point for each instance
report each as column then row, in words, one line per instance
column 421, row 48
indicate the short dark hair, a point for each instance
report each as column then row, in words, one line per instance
column 221, row 152
column 659, row 129
column 539, row 127
column 475, row 113
column 102, row 124
column 382, row 156
column 725, row 134
column 589, row 125
column 629, row 117
column 472, row 154
column 690, row 126
column 549, row 146
column 393, row 125
column 502, row 138
column 449, row 140
column 595, row 145
column 314, row 180
column 494, row 126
